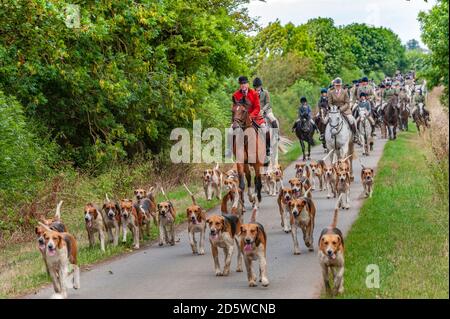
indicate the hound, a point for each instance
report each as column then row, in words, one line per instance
column 60, row 251
column 302, row 214
column 275, row 180
column 54, row 224
column 224, row 232
column 212, row 182
column 343, row 187
column 296, row 186
column 299, row 185
column 330, row 180
column 196, row 217
column 146, row 207
column 166, row 221
column 283, row 206
column 94, row 224
column 253, row 247
column 331, row 254
column 302, row 169
column 317, row 168
column 129, row 219
column 234, row 196
column 367, row 180
column 111, row 217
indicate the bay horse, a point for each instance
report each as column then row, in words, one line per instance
column 421, row 118
column 249, row 150
column 390, row 117
column 305, row 133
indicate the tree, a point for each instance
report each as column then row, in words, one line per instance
column 434, row 25
column 413, row 44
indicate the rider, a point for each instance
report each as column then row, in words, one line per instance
column 304, row 112
column 364, row 87
column 340, row 98
column 248, row 97
column 365, row 104
column 388, row 93
column 417, row 99
column 266, row 109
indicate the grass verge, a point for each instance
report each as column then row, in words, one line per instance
column 403, row 229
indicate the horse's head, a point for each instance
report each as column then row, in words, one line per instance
column 241, row 117
column 335, row 117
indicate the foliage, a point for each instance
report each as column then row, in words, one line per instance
column 434, row 25
column 25, row 159
column 376, row 48
column 131, row 72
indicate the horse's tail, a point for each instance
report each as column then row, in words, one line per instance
column 284, row 144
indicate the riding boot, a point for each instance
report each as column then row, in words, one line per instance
column 268, row 153
column 275, row 127
column 372, row 133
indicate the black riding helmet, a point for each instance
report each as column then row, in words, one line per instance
column 257, row 82
column 324, row 90
column 303, row 100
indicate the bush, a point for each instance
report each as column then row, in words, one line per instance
column 24, row 159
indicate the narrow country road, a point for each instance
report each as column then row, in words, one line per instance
column 173, row 272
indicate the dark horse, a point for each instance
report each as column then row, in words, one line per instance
column 403, row 116
column 320, row 120
column 248, row 149
column 391, row 113
column 305, row 133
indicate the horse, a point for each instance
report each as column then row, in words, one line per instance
column 403, row 116
column 390, row 118
column 319, row 120
column 421, row 119
column 305, row 133
column 364, row 130
column 338, row 136
column 250, row 152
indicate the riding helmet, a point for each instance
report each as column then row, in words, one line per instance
column 303, row 100
column 324, row 90
column 257, row 82
column 243, row 80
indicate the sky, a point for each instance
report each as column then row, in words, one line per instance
column 398, row 15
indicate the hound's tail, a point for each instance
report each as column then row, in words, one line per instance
column 190, row 193
column 307, row 192
column 336, row 211
column 216, row 168
column 254, row 212
column 151, row 194
column 164, row 194
column 284, row 144
column 107, row 198
column 58, row 211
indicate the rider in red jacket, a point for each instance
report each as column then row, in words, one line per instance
column 246, row 95
column 249, row 97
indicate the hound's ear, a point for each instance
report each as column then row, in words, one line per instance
column 159, row 206
column 372, row 171
column 207, row 220
column 187, row 211
column 60, row 241
column 36, row 230
column 104, row 206
column 242, row 228
column 118, row 206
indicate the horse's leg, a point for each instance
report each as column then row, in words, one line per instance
column 302, row 144
column 248, row 177
column 258, row 182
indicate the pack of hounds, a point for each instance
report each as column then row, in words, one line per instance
column 227, row 231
